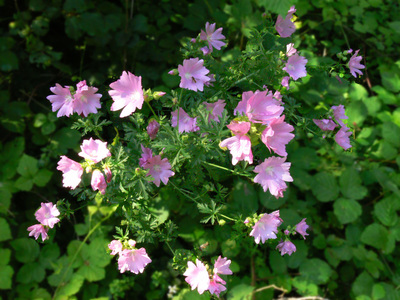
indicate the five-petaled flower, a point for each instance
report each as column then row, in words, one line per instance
column 354, row 64
column 267, row 227
column 213, row 37
column 296, row 66
column 193, row 74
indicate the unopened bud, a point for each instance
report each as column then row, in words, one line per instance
column 221, row 222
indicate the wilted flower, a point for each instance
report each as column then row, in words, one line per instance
column 342, row 137
column 47, row 214
column 94, row 150
column 267, row 227
column 339, row 114
column 272, row 174
column 98, row 182
column 127, row 94
column 296, row 66
column 325, row 124
column 354, row 64
column 115, row 246
column 186, row 123
column 108, row 173
column 285, row 82
column 285, row 27
column 38, row 229
column 302, row 227
column 72, row 172
column 193, row 74
column 152, row 129
column 290, row 49
column 215, row 110
column 286, row 247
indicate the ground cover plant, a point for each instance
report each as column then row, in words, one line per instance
column 256, row 166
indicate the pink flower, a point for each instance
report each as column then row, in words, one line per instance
column 262, row 107
column 86, row 99
column 325, row 124
column 302, row 227
column 94, row 150
column 290, row 49
column 115, row 246
column 212, row 36
column 38, row 229
column 285, row 82
column 339, row 114
column 216, row 288
column 72, row 172
column 239, row 145
column 186, row 123
column 152, row 129
column 267, row 227
column 285, row 27
column 193, row 74
column 272, row 174
column 147, row 153
column 61, row 101
column 212, row 79
column 98, row 182
column 277, row 135
column 215, row 110
column 296, row 66
column 354, row 64
column 342, row 137
column 127, row 94
column 47, row 214
column 206, row 50
column 159, row 169
column 221, row 266
column 241, row 107
column 133, row 260
column 197, row 276
column 108, row 173
column 286, row 247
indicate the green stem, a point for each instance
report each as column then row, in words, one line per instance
column 79, row 250
column 228, row 218
column 219, row 167
column 155, row 116
column 183, row 193
column 170, row 248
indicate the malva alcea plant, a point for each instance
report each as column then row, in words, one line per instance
column 226, row 117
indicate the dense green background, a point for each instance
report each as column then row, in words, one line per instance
column 351, row 199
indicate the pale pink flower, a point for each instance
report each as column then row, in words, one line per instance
column 286, row 247
column 38, row 229
column 215, row 110
column 277, row 135
column 133, row 260
column 267, row 227
column 240, row 144
column 127, row 94
column 94, row 150
column 186, row 123
column 197, row 276
column 108, row 173
column 115, row 246
column 278, row 96
column 98, row 182
column 242, row 105
column 286, row 27
column 212, row 36
column 339, row 114
column 152, row 129
column 215, row 287
column 206, row 50
column 159, row 169
column 302, row 227
column 354, row 64
column 47, row 214
column 290, row 49
column 72, row 172
column 272, row 174
column 221, row 266
column 212, row 79
column 325, row 124
column 61, row 101
column 342, row 137
column 285, row 82
column 296, row 66
column 147, row 153
column 193, row 74
column 86, row 100
column 262, row 107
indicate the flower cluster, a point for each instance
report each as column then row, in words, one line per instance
column 267, row 228
column 47, row 216
column 198, row 276
column 84, row 101
column 343, row 134
column 130, row 258
column 93, row 151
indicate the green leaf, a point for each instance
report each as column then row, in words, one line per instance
column 305, row 287
column 30, row 272
column 48, row 128
column 42, row 177
column 350, row 185
column 390, row 78
column 378, row 291
column 6, row 273
column 357, row 92
column 245, row 198
column 385, row 211
column 27, row 166
column 5, row 200
column 24, row 183
column 48, row 255
column 375, row 235
column 5, row 232
column 72, row 287
column 347, row 210
column 240, row 292
column 363, row 284
column 4, row 256
column 8, row 61
column 10, row 156
column 62, row 271
column 357, row 112
column 391, row 133
column 316, row 270
column 277, row 262
column 230, row 248
column 26, row 250
column 325, row 187
column 280, row 7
